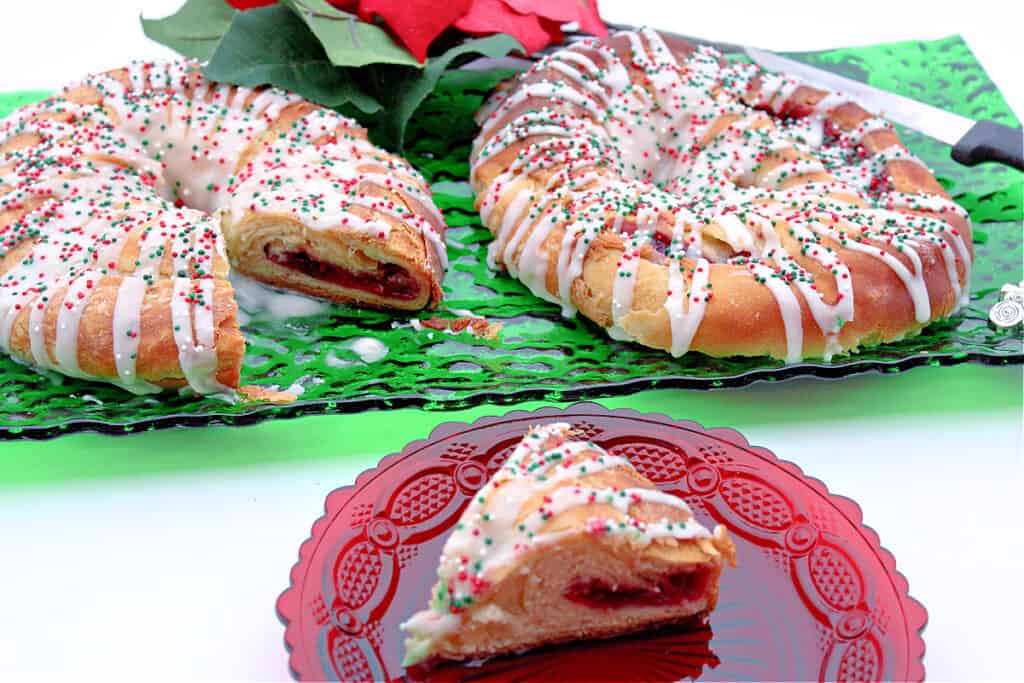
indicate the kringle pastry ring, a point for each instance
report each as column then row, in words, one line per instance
column 123, row 198
column 687, row 204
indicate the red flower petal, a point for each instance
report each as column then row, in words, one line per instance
column 487, row 17
column 250, row 4
column 415, row 22
column 584, row 12
column 556, row 10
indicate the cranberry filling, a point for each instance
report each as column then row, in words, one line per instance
column 671, row 589
column 390, row 280
column 659, row 240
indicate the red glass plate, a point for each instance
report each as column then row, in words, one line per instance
column 815, row 596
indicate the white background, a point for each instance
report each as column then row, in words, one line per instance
column 175, row 576
column 46, row 43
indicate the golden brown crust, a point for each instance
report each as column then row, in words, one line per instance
column 257, row 393
column 158, row 360
column 555, row 620
column 743, row 316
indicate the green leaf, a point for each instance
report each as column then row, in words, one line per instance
column 271, row 45
column 194, row 30
column 402, row 94
column 349, row 41
column 481, row 80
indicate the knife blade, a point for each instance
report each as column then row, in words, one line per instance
column 973, row 141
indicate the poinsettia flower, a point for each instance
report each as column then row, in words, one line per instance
column 534, row 23
column 487, row 17
column 416, row 23
column 250, row 4
column 581, row 12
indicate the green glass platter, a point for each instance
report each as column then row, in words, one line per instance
column 539, row 354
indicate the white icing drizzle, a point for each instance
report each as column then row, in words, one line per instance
column 369, row 349
column 128, row 319
column 789, row 169
column 258, row 301
column 685, row 305
column 789, row 309
column 192, row 317
column 36, row 333
column 857, row 135
column 68, row 319
column 625, row 283
column 533, row 272
column 578, row 234
column 513, row 216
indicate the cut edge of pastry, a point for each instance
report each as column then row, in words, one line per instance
column 630, row 570
column 345, row 267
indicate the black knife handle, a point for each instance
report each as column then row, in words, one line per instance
column 991, row 141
